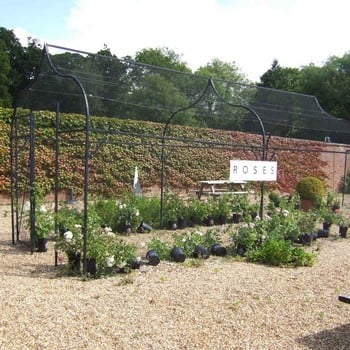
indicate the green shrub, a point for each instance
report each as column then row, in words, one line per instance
column 310, row 188
column 279, row 252
column 162, row 248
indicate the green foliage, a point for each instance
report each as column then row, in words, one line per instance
column 307, row 221
column 110, row 252
column 192, row 238
column 196, row 211
column 113, row 165
column 174, row 207
column 163, row 249
column 279, row 252
column 70, row 241
column 310, row 188
column 67, row 217
column 221, row 206
column 41, row 216
column 149, row 209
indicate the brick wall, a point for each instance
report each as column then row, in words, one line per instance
column 336, row 164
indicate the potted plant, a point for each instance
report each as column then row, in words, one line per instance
column 126, row 217
column 189, row 242
column 307, row 223
column 44, row 227
column 343, row 221
column 328, row 216
column 244, row 238
column 160, row 246
column 311, row 191
column 333, row 202
column 221, row 209
column 239, row 205
column 71, row 243
column 173, row 209
column 40, row 221
column 196, row 211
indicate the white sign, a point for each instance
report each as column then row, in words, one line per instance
column 250, row 170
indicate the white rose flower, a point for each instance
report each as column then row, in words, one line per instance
column 285, row 212
column 68, row 235
column 43, row 208
column 137, row 212
column 77, row 226
column 110, row 261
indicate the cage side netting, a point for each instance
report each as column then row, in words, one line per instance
column 131, row 90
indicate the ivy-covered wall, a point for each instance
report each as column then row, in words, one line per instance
column 115, row 156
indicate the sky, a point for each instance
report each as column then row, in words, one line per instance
column 249, row 33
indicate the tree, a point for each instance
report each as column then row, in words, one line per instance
column 229, row 84
column 5, row 68
column 330, row 84
column 281, row 78
column 15, row 55
column 162, row 57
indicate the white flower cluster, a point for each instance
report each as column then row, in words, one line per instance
column 110, row 261
column 108, row 231
column 68, row 236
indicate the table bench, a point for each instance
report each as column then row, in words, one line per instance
column 220, row 187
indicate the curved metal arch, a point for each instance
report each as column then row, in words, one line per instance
column 210, row 84
column 87, row 146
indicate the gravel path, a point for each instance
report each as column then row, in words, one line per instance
column 219, row 304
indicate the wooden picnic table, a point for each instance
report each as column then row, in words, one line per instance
column 219, row 187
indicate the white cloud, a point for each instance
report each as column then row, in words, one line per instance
column 251, row 33
column 22, row 35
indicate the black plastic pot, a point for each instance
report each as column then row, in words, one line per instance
column 221, row 219
column 343, row 231
column 326, row 225
column 135, row 264
column 42, row 245
column 74, row 261
column 143, row 227
column 172, row 224
column 307, row 238
column 153, row 257
column 209, row 221
column 241, row 249
column 91, row 267
column 218, row 249
column 236, row 218
column 323, row 233
column 181, row 223
column 177, row 254
column 201, row 252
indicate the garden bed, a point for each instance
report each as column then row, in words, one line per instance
column 218, row 303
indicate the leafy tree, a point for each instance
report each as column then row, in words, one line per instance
column 162, row 57
column 228, row 82
column 15, row 55
column 281, row 78
column 5, row 68
column 330, row 84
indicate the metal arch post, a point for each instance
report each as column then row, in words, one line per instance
column 162, row 174
column 347, row 152
column 210, row 83
column 264, row 140
column 87, row 150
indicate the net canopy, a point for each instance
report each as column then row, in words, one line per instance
column 122, row 88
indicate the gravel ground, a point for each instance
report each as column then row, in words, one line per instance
column 221, row 303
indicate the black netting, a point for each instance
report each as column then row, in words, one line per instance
column 127, row 89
